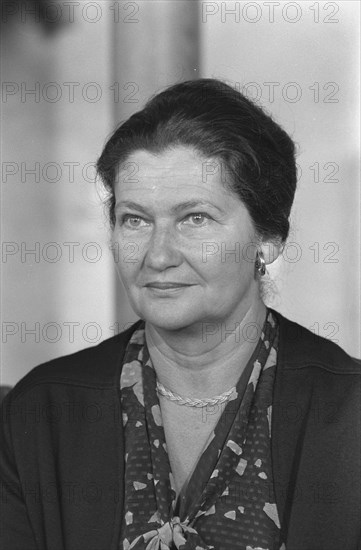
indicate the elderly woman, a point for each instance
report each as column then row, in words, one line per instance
column 213, row 422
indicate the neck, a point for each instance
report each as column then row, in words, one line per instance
column 206, row 359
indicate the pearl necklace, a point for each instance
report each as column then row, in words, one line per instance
column 194, row 402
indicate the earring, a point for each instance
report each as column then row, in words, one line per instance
column 260, row 263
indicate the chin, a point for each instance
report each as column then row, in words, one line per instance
column 169, row 317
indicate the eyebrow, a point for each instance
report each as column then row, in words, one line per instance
column 174, row 210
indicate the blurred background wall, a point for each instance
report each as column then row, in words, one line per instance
column 71, row 71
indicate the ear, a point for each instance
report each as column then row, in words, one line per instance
column 271, row 250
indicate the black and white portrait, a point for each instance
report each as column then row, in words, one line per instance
column 181, row 275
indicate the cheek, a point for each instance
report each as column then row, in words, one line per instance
column 122, row 260
column 131, row 255
column 127, row 254
column 231, row 259
column 128, row 267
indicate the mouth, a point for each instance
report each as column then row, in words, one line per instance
column 166, row 286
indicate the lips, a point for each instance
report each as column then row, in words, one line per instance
column 166, row 285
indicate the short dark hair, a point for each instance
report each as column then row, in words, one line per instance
column 218, row 121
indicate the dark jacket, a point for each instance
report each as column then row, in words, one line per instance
column 62, row 458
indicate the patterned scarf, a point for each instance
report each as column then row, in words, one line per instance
column 229, row 501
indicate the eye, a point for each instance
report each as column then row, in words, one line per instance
column 197, row 218
column 132, row 221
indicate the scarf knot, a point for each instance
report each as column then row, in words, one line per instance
column 173, row 534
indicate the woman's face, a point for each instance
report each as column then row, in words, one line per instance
column 185, row 245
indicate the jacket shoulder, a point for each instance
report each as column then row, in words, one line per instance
column 300, row 347
column 95, row 366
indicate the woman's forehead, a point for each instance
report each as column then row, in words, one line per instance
column 173, row 161
column 179, row 168
column 174, row 181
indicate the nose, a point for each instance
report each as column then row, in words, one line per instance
column 162, row 249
